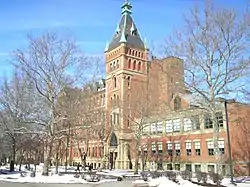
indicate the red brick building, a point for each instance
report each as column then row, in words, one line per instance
column 142, row 90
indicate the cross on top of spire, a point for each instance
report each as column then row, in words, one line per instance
column 126, row 7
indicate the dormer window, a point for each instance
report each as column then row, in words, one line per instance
column 134, row 32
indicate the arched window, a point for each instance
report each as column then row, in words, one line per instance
column 129, row 81
column 177, row 103
column 117, row 63
column 133, row 52
column 139, row 66
column 136, row 53
column 113, row 140
column 129, row 63
column 139, row 54
column 115, row 82
column 134, row 64
column 117, row 99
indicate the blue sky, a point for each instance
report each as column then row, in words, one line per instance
column 91, row 22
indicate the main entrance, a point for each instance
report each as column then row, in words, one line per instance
column 113, row 150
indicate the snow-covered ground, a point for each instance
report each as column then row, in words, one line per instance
column 54, row 178
column 164, row 182
column 69, row 178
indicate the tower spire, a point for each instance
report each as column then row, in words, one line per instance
column 126, row 7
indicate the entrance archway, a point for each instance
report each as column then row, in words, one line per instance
column 113, row 143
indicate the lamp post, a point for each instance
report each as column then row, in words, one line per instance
column 225, row 101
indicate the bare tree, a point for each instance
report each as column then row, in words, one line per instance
column 214, row 45
column 17, row 106
column 50, row 61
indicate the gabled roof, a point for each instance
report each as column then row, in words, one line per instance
column 126, row 31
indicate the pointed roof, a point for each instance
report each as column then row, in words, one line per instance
column 126, row 31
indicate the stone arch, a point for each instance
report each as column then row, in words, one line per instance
column 113, row 140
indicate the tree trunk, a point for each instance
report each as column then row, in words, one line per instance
column 47, row 158
column 143, row 162
column 20, row 162
column 57, row 156
column 13, row 158
column 136, row 163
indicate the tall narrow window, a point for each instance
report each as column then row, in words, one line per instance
column 210, row 148
column 117, row 64
column 153, row 147
column 129, row 81
column 134, row 64
column 114, row 118
column 188, row 148
column 159, row 146
column 170, row 149
column 115, row 83
column 111, row 120
column 177, row 103
column 177, row 147
column 139, row 66
column 129, row 63
column 197, row 147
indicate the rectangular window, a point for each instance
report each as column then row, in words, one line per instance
column 153, row 148
column 210, row 147
column 177, row 167
column 221, row 144
column 187, row 124
column 169, row 167
column 210, row 168
column 196, row 122
column 169, row 126
column 153, row 128
column 188, row 167
column 177, row 149
column 177, row 125
column 159, row 127
column 208, row 122
column 188, row 148
column 170, row 149
column 159, row 145
column 219, row 118
column 197, row 147
column 197, row 167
